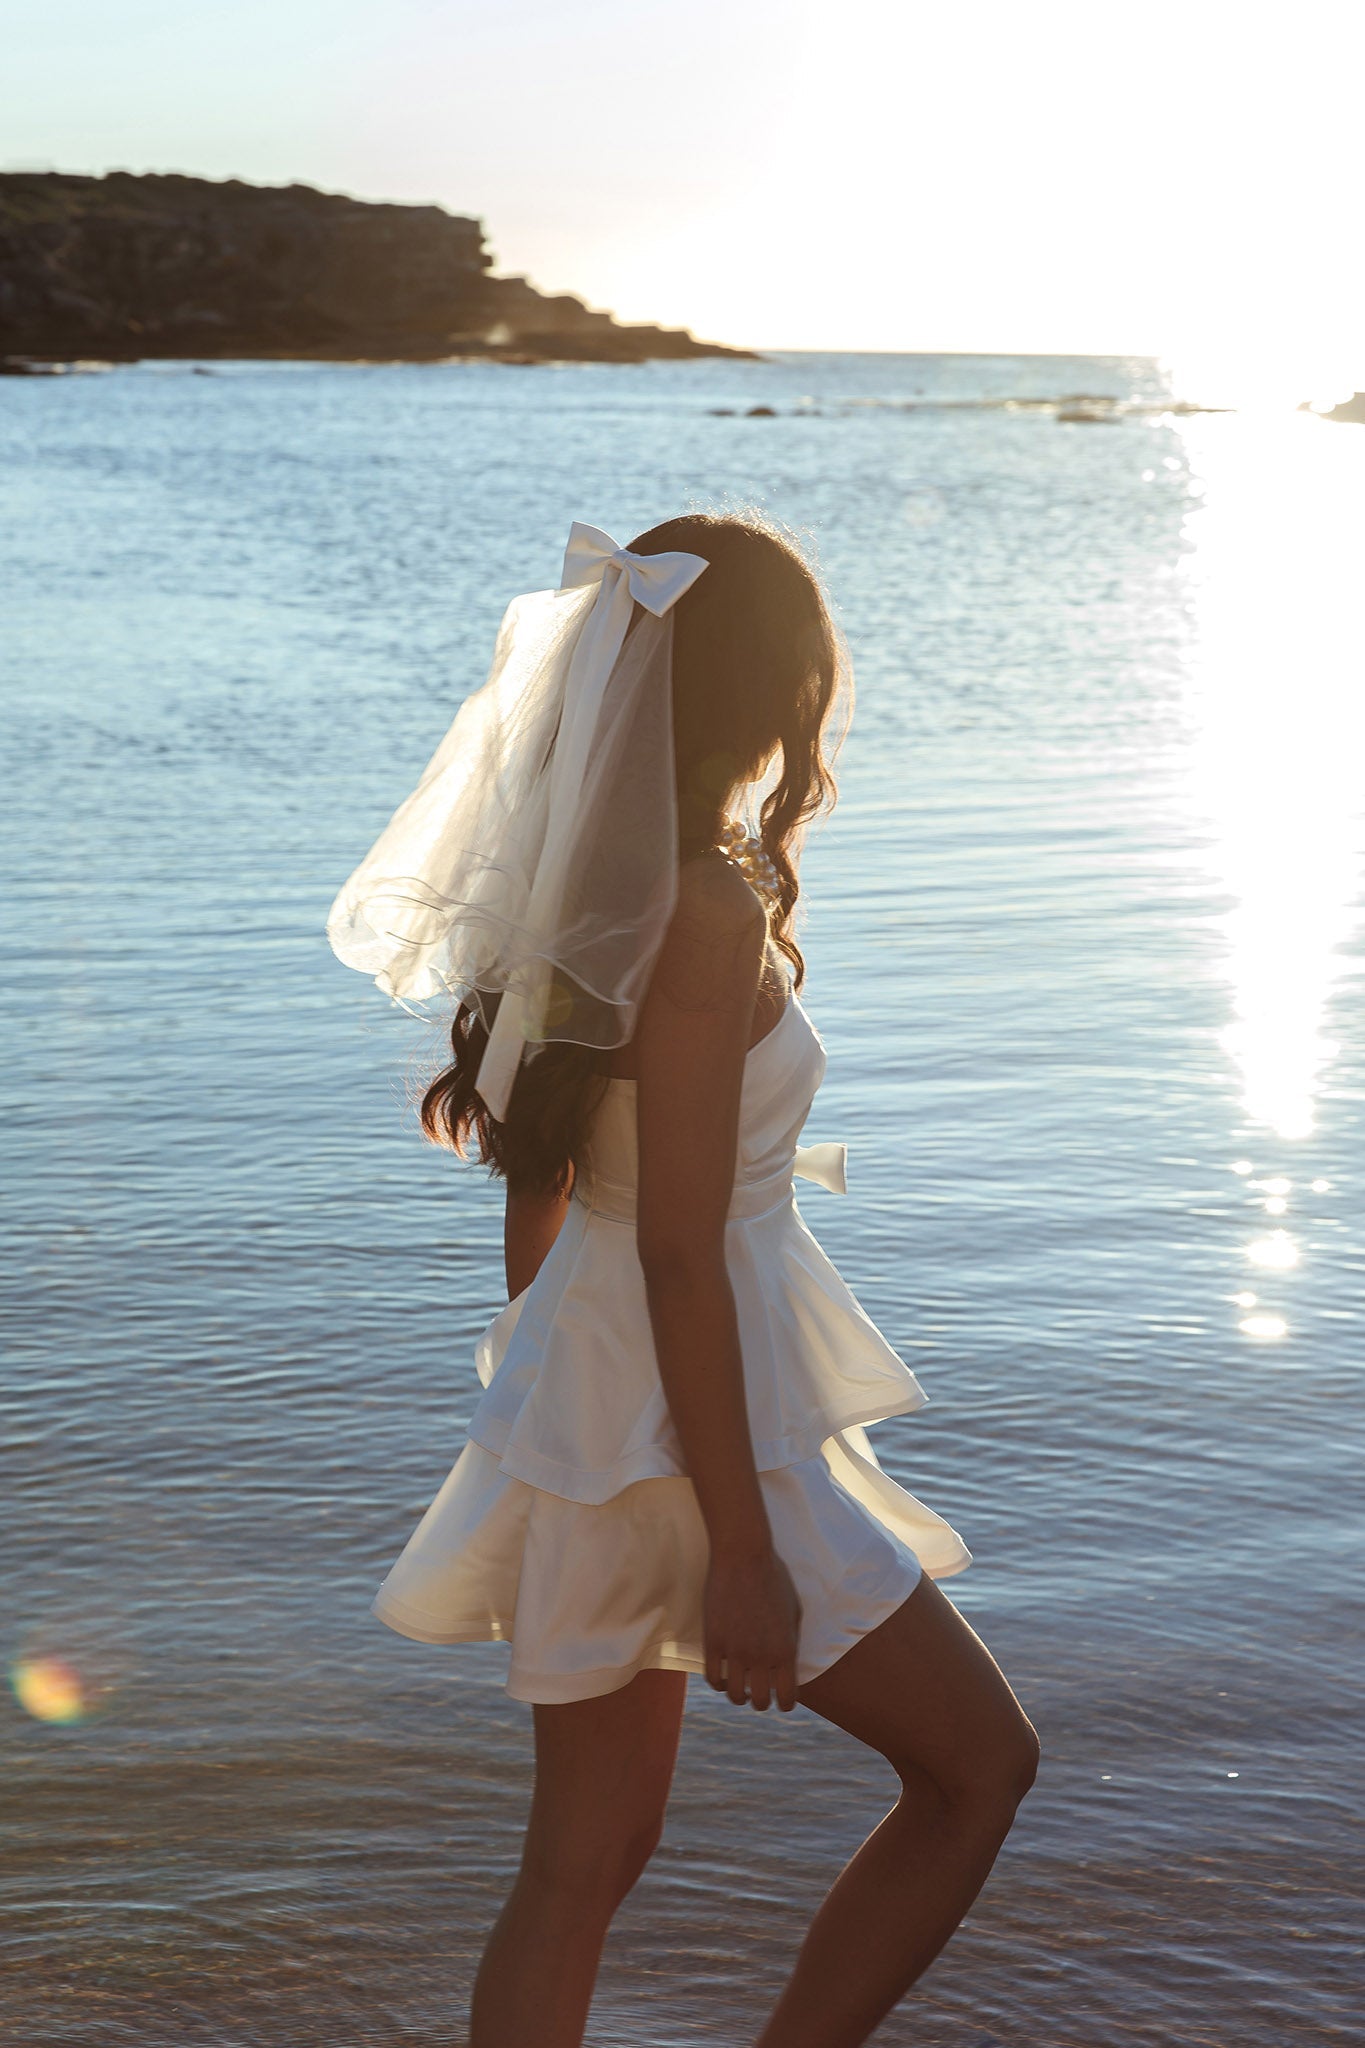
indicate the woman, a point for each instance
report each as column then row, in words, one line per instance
column 667, row 1471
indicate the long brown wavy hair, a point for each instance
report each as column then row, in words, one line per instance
column 759, row 668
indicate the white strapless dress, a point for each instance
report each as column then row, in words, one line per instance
column 568, row 1527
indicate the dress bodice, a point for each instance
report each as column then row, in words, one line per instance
column 782, row 1073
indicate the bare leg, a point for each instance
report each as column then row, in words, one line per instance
column 924, row 1690
column 603, row 1769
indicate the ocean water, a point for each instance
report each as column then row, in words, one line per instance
column 1084, row 943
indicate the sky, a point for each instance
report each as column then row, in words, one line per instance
column 1177, row 180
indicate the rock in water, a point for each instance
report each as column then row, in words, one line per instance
column 122, row 266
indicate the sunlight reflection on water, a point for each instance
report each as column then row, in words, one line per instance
column 1277, row 690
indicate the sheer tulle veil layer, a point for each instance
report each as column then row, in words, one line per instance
column 536, row 861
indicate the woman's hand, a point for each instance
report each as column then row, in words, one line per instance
column 750, row 1620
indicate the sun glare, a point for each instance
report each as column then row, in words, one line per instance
column 1276, row 529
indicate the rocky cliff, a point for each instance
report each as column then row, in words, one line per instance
column 122, row 266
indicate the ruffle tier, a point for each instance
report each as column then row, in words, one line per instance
column 589, row 1595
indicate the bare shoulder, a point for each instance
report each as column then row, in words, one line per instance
column 713, row 894
column 714, row 944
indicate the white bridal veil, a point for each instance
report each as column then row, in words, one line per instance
column 537, row 858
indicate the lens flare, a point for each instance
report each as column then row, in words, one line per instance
column 50, row 1689
column 70, row 1669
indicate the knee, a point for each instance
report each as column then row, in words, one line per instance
column 989, row 1782
column 1004, row 1774
column 633, row 1855
column 591, row 1872
column 1019, row 1765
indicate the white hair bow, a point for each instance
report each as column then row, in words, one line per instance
column 655, row 581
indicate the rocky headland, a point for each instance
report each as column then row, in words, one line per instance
column 122, row 267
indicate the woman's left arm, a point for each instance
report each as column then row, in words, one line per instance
column 530, row 1228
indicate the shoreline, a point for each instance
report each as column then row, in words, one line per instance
column 32, row 364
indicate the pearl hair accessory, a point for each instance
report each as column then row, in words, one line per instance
column 745, row 849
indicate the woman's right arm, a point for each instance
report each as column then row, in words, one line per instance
column 691, row 1043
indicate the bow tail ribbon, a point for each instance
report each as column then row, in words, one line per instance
column 826, row 1163
column 591, row 663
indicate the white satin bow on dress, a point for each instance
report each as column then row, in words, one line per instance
column 826, row 1163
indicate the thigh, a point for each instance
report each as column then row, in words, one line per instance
column 604, row 1766
column 924, row 1690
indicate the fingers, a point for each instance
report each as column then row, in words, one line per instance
column 755, row 1685
column 737, row 1680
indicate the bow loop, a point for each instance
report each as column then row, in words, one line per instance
column 654, row 581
